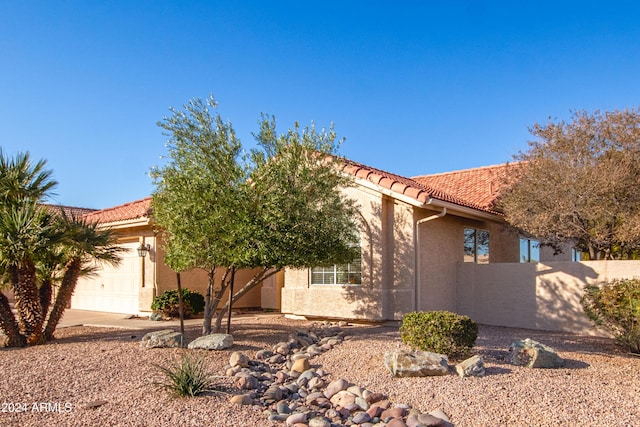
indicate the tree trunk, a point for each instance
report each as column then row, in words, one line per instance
column 27, row 297
column 230, row 303
column 180, row 304
column 255, row 280
column 208, row 311
column 9, row 325
column 68, row 285
column 45, row 296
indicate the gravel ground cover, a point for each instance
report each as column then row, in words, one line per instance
column 56, row 384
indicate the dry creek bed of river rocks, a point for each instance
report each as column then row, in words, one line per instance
column 598, row 386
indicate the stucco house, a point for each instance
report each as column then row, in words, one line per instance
column 130, row 287
column 431, row 242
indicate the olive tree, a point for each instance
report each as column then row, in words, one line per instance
column 280, row 206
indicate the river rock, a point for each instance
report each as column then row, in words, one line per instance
column 334, row 387
column 241, row 399
column 300, row 365
column 238, row 359
column 416, row 363
column 533, row 354
column 212, row 342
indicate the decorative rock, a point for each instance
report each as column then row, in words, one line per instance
column 238, row 359
column 403, row 363
column 392, row 413
column 396, row 422
column 315, row 383
column 361, row 417
column 471, row 367
column 283, row 408
column 319, row 422
column 362, row 403
column 343, row 398
column 246, row 382
column 440, row 414
column 212, row 342
column 165, row 338
column 372, row 397
column 263, row 354
column 296, row 418
column 276, row 359
column 241, row 399
column 374, row 411
column 533, row 354
column 334, row 387
column 282, row 348
column 429, row 420
column 156, row 317
column 300, row 365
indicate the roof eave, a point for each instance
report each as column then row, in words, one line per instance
column 458, row 210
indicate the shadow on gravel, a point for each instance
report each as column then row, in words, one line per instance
column 495, row 370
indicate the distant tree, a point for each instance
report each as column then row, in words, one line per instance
column 578, row 183
column 281, row 207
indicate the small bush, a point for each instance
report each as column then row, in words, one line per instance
column 439, row 332
column 615, row 307
column 167, row 303
column 187, row 377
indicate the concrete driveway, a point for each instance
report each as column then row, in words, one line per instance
column 74, row 317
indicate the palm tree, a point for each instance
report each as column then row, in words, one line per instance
column 26, row 232
column 83, row 243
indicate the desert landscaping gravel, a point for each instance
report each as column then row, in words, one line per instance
column 93, row 376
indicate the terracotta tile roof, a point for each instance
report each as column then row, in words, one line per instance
column 70, row 211
column 129, row 211
column 472, row 188
column 448, row 187
column 479, row 186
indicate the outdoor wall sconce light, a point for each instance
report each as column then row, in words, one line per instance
column 143, row 250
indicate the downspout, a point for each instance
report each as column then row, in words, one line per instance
column 417, row 292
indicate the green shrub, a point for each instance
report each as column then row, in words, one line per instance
column 187, row 377
column 167, row 303
column 615, row 307
column 439, row 332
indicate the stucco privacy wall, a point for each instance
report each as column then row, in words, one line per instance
column 542, row 296
column 388, row 264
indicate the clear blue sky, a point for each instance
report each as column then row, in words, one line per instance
column 415, row 87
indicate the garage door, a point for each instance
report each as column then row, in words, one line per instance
column 111, row 289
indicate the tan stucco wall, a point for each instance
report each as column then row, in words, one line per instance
column 387, row 268
column 156, row 277
column 542, row 296
column 197, row 280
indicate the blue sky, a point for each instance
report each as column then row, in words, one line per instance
column 415, row 87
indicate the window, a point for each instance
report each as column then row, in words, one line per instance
column 529, row 250
column 345, row 274
column 576, row 255
column 476, row 246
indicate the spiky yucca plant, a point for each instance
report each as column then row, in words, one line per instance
column 187, row 377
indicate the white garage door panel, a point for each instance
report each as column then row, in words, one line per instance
column 111, row 289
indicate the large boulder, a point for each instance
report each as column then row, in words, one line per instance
column 212, row 342
column 165, row 338
column 533, row 354
column 416, row 363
